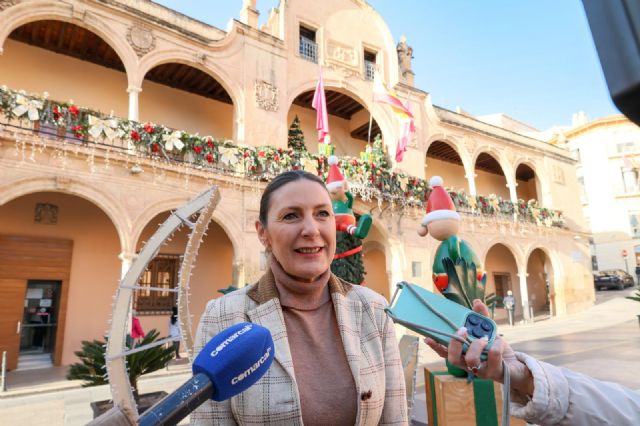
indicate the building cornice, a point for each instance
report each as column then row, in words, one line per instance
column 477, row 126
column 613, row 120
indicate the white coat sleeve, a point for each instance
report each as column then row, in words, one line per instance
column 564, row 397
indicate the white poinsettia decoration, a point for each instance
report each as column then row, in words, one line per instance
column 172, row 141
column 98, row 126
column 30, row 106
column 228, row 156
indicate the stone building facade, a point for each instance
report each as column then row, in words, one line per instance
column 78, row 203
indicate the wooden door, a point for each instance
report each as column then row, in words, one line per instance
column 11, row 311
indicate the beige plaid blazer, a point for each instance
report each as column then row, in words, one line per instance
column 369, row 341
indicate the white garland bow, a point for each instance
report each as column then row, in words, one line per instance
column 98, row 126
column 172, row 140
column 31, row 106
column 228, row 156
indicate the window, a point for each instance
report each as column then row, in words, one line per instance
column 625, row 147
column 308, row 46
column 634, row 223
column 583, row 192
column 369, row 64
column 162, row 273
column 630, row 179
column 503, row 283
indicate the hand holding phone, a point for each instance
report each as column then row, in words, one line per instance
column 437, row 317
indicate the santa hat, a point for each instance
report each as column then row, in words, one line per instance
column 440, row 205
column 335, row 178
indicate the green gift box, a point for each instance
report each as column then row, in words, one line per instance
column 454, row 401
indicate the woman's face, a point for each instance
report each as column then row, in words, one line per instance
column 301, row 229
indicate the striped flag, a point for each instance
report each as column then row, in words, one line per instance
column 382, row 95
column 319, row 103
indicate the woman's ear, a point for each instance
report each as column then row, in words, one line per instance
column 262, row 234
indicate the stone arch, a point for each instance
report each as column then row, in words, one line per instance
column 439, row 161
column 505, row 168
column 515, row 250
column 543, row 180
column 529, row 193
column 102, row 200
column 503, row 274
column 211, row 68
column 25, row 13
column 381, row 115
column 160, row 57
column 224, row 219
column 551, row 280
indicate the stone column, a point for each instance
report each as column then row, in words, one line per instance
column 126, row 259
column 133, row 102
column 237, row 274
column 513, row 194
column 524, row 295
column 471, row 178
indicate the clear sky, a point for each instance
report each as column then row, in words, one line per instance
column 531, row 59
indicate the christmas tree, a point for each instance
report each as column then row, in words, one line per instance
column 295, row 139
column 350, row 268
column 379, row 153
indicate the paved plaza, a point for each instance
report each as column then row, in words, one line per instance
column 603, row 341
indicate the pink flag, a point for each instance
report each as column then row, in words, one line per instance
column 408, row 129
column 319, row 103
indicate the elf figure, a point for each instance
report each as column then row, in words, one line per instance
column 342, row 203
column 442, row 221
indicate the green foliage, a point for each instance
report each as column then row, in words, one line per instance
column 350, row 268
column 295, row 138
column 92, row 368
column 464, row 285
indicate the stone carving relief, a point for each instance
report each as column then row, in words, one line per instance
column 46, row 214
column 266, row 96
column 141, row 39
column 342, row 58
column 558, row 175
column 5, row 4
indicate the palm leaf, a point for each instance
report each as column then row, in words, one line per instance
column 464, row 285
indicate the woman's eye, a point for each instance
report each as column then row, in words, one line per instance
column 289, row 216
column 324, row 213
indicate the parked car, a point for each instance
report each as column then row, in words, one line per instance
column 614, row 278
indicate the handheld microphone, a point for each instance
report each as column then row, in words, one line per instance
column 229, row 364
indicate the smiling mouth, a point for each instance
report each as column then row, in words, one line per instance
column 308, row 250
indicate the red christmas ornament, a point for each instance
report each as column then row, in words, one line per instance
column 135, row 136
column 73, row 110
column 197, row 149
column 148, row 128
column 209, row 158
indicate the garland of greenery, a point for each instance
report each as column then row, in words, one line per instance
column 371, row 177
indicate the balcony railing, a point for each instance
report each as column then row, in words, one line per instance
column 372, row 181
column 369, row 70
column 308, row 49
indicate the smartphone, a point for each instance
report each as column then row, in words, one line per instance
column 434, row 316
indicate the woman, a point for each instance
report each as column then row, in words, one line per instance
column 542, row 393
column 336, row 355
